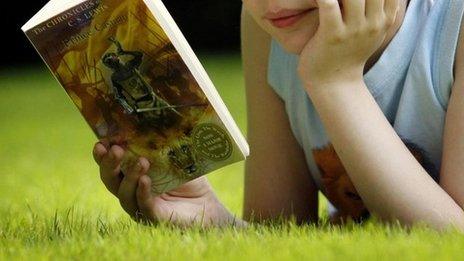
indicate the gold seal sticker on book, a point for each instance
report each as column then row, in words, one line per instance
column 212, row 142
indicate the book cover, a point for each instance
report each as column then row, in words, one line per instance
column 132, row 86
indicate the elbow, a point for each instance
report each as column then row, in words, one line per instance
column 450, row 218
column 438, row 220
column 456, row 221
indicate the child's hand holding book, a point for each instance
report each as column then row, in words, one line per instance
column 193, row 203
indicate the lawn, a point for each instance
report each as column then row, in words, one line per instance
column 53, row 205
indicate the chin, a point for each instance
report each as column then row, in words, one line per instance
column 293, row 44
column 294, row 41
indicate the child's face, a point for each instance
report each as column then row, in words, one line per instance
column 291, row 22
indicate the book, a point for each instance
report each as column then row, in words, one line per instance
column 133, row 76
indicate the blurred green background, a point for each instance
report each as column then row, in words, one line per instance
column 54, row 206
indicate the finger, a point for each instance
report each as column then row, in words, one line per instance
column 110, row 168
column 354, row 11
column 330, row 15
column 105, row 142
column 145, row 199
column 391, row 10
column 374, row 9
column 128, row 187
column 99, row 151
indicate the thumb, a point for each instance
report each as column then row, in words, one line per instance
column 145, row 199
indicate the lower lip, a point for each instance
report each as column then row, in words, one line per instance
column 289, row 21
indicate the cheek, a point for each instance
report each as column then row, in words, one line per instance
column 256, row 10
column 254, row 7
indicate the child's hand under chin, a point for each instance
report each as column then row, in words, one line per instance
column 343, row 43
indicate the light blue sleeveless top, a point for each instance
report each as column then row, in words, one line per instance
column 411, row 83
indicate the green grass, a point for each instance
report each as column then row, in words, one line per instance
column 53, row 205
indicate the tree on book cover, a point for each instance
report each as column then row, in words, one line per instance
column 133, row 88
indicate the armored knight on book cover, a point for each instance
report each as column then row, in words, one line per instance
column 133, row 92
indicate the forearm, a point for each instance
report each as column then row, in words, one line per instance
column 391, row 182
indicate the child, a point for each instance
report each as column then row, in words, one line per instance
column 349, row 97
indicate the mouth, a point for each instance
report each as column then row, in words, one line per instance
column 287, row 18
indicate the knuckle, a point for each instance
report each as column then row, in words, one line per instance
column 353, row 33
column 357, row 32
column 385, row 19
column 389, row 21
column 328, row 3
column 334, row 40
column 117, row 154
column 338, row 37
column 331, row 5
column 374, row 28
column 116, row 151
column 379, row 25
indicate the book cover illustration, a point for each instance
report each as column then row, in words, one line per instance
column 133, row 88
